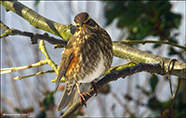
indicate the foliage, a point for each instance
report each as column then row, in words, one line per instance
column 143, row 19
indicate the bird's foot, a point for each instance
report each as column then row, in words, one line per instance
column 95, row 87
column 83, row 100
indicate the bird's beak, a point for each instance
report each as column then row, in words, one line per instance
column 81, row 24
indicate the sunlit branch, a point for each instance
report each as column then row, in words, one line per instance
column 13, row 69
column 39, row 73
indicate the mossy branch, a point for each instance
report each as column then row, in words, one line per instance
column 136, row 56
column 38, row 21
column 34, row 37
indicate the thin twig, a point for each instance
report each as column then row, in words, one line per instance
column 143, row 42
column 39, row 73
column 49, row 60
column 13, row 69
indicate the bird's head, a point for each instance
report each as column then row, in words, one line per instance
column 83, row 19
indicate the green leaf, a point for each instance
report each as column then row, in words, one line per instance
column 176, row 34
column 154, row 104
column 132, row 116
column 18, row 110
column 143, row 32
column 153, row 82
column 138, row 87
column 173, row 20
column 156, row 45
column 172, row 51
column 143, row 90
column 41, row 114
column 179, row 103
column 48, row 100
column 173, row 40
column 36, row 2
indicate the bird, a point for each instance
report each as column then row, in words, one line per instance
column 87, row 56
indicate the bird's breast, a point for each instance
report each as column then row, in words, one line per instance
column 96, row 71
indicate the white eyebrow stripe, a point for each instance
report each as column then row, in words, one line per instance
column 87, row 19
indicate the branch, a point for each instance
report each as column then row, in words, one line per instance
column 13, row 69
column 48, row 59
column 38, row 73
column 120, row 67
column 112, row 77
column 38, row 21
column 155, row 42
column 40, row 63
column 34, row 37
column 135, row 55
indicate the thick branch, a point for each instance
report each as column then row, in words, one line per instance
column 135, row 55
column 112, row 77
column 34, row 37
column 38, row 21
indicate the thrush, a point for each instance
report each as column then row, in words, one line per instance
column 87, row 56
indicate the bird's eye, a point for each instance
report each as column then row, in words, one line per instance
column 88, row 21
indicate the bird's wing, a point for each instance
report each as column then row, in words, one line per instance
column 67, row 99
column 67, row 62
column 63, row 68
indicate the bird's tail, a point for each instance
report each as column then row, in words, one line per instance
column 67, row 98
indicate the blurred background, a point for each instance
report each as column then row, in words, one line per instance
column 139, row 95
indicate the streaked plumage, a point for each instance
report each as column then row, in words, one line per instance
column 87, row 56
